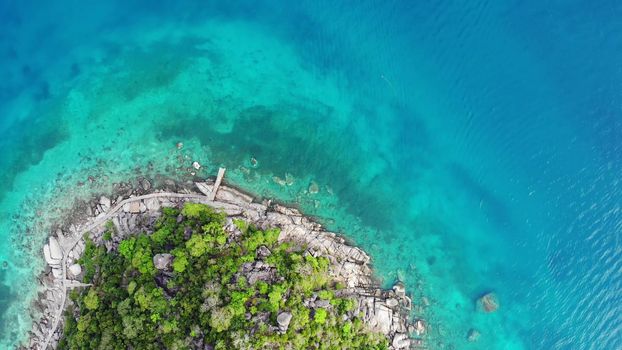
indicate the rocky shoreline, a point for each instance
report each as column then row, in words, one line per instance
column 135, row 208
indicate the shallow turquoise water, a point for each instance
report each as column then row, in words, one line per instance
column 468, row 146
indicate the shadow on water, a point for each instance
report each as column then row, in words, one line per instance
column 297, row 140
column 493, row 207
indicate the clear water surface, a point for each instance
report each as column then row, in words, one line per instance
column 469, row 146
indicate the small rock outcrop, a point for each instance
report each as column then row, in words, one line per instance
column 263, row 252
column 163, row 261
column 283, row 320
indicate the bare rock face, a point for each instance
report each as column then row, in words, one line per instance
column 488, row 302
column 382, row 318
column 55, row 252
column 162, row 261
column 152, row 204
column 48, row 256
column 283, row 320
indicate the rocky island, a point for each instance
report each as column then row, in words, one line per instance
column 200, row 265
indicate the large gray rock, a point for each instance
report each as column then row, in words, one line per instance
column 162, row 261
column 48, row 257
column 55, row 251
column 381, row 318
column 283, row 319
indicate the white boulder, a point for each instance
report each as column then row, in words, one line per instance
column 55, row 251
column 283, row 319
column 48, row 256
column 75, row 269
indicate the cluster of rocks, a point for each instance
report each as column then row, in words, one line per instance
column 385, row 311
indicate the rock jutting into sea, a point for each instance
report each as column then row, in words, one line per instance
column 137, row 209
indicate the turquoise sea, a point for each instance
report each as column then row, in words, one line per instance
column 468, row 146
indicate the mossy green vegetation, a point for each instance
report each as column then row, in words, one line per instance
column 223, row 290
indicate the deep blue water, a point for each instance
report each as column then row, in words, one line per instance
column 469, row 146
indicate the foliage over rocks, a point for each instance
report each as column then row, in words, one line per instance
column 234, row 289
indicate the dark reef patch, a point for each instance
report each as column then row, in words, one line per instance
column 33, row 140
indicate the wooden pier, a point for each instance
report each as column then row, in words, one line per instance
column 221, row 174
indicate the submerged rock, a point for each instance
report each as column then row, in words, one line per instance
column 314, row 188
column 279, row 181
column 399, row 289
column 488, row 302
column 473, row 335
column 420, row 327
